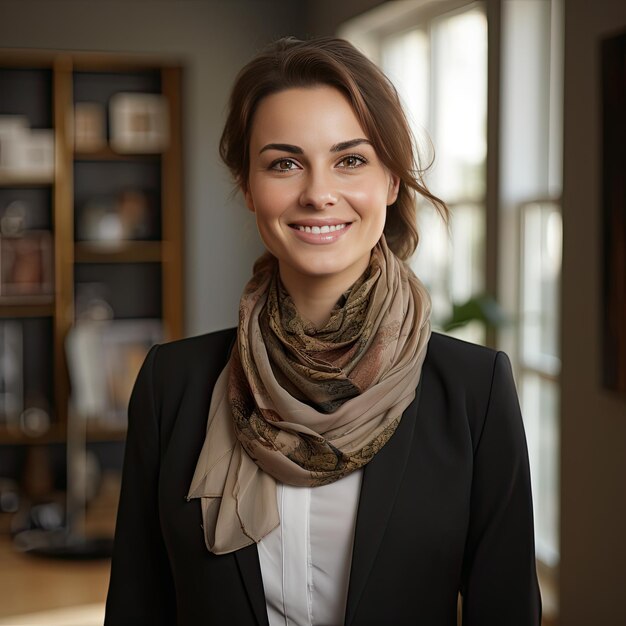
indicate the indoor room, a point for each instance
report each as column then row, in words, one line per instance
column 125, row 224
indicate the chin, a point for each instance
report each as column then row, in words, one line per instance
column 316, row 266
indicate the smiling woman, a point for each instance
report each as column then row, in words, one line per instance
column 331, row 460
column 311, row 170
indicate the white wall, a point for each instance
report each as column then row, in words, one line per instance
column 213, row 38
column 593, row 444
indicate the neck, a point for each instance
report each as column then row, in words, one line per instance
column 315, row 296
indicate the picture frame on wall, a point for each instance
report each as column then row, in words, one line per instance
column 613, row 55
column 26, row 265
column 138, row 123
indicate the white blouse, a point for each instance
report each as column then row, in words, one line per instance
column 305, row 561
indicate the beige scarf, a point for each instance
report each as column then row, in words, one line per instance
column 303, row 406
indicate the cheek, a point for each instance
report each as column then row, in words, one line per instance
column 270, row 196
column 267, row 213
column 269, row 234
column 370, row 201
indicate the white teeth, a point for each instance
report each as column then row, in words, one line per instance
column 317, row 230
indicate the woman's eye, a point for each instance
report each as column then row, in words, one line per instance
column 352, row 161
column 283, row 165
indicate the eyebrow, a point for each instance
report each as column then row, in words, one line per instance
column 283, row 147
column 352, row 143
column 338, row 147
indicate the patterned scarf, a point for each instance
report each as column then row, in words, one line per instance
column 305, row 406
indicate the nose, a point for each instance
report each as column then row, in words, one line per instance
column 318, row 191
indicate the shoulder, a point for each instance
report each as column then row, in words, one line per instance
column 452, row 357
column 471, row 379
column 182, row 373
column 198, row 356
column 198, row 346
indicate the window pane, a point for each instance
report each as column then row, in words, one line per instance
column 459, row 116
column 539, row 399
column 405, row 61
column 451, row 267
column 431, row 261
column 541, row 269
column 440, row 71
column 467, row 254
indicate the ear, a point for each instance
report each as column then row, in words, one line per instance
column 394, row 188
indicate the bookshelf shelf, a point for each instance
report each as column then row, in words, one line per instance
column 14, row 436
column 107, row 154
column 118, row 252
column 11, row 182
column 21, row 307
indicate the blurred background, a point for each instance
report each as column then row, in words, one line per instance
column 118, row 225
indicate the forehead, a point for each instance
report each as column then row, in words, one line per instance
column 307, row 114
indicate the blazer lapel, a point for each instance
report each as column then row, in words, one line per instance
column 379, row 487
column 250, row 570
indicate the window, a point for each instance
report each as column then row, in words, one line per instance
column 436, row 54
column 531, row 234
column 540, row 272
column 439, row 67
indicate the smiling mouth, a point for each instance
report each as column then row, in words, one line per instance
column 318, row 230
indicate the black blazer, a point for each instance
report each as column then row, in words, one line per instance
column 444, row 507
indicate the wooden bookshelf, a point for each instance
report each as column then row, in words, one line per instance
column 62, row 78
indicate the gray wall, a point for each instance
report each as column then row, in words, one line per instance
column 323, row 17
column 593, row 448
column 213, row 39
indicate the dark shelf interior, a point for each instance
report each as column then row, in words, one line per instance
column 37, row 202
column 32, row 336
column 103, row 183
column 27, row 92
column 100, row 86
column 118, row 285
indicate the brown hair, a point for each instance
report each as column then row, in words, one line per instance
column 289, row 63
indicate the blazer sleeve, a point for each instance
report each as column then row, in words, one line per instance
column 499, row 581
column 141, row 590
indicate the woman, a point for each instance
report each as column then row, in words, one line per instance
column 331, row 460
